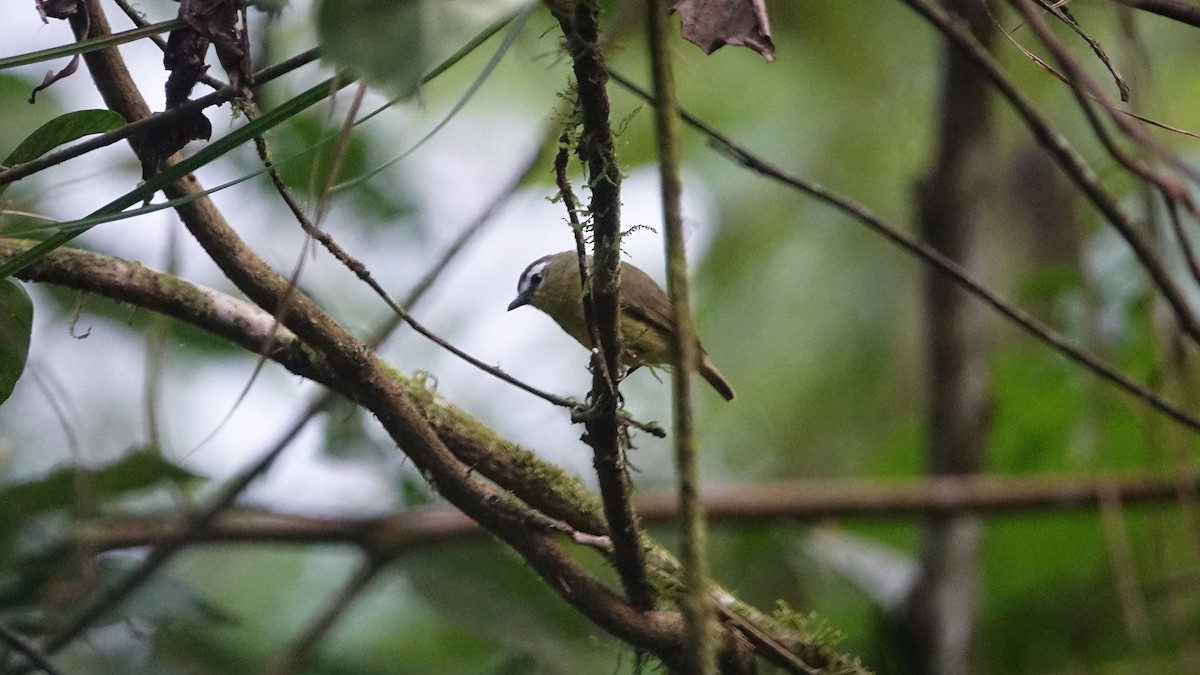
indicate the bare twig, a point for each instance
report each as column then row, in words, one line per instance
column 567, row 195
column 1063, row 78
column 919, row 250
column 1086, row 90
column 1173, row 191
column 302, row 647
column 25, row 647
column 1068, row 159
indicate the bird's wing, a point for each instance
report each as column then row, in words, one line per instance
column 642, row 299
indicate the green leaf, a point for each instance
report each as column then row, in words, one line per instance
column 58, row 489
column 215, row 150
column 518, row 22
column 64, row 129
column 379, row 40
column 61, row 130
column 148, row 188
column 94, row 44
column 16, row 325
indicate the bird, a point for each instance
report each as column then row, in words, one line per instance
column 647, row 319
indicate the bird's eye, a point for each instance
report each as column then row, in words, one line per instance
column 535, row 279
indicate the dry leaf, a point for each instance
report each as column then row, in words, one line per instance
column 709, row 24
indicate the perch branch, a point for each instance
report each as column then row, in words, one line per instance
column 362, row 377
column 579, row 22
column 535, row 482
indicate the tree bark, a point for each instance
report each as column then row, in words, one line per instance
column 939, row 618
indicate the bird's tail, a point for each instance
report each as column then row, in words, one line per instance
column 709, row 372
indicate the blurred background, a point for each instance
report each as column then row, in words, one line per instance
column 818, row 323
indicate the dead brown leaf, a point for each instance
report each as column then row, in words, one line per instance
column 710, row 24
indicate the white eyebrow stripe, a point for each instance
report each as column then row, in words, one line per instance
column 527, row 275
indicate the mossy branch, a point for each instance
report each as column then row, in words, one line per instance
column 699, row 613
column 516, row 470
column 579, row 21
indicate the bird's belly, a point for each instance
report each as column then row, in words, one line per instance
column 643, row 344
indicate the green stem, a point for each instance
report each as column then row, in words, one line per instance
column 699, row 614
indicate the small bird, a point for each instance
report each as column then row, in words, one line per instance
column 647, row 324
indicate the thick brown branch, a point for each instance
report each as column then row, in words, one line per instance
column 215, row 312
column 365, row 379
column 940, row 611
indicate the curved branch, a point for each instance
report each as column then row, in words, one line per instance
column 367, row 380
column 1183, row 11
column 541, row 485
column 218, row 313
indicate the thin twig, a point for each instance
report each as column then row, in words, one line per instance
column 1017, row 316
column 1067, row 158
column 567, row 195
column 24, row 646
column 1173, row 191
column 302, row 647
column 1063, row 78
column 1085, row 90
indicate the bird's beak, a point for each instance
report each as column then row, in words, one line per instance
column 522, row 299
